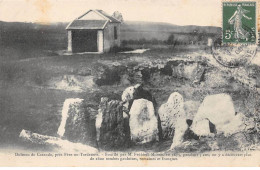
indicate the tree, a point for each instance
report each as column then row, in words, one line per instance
column 171, row 40
column 118, row 16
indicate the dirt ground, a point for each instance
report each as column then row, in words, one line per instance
column 31, row 97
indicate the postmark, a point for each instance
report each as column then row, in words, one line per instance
column 234, row 55
column 239, row 22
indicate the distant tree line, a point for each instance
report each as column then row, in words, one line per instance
column 192, row 38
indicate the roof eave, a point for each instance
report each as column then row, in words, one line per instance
column 82, row 28
column 69, row 24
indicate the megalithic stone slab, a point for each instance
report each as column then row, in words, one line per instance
column 143, row 122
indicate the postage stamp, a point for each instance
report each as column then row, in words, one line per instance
column 239, row 22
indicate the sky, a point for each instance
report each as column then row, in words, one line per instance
column 179, row 12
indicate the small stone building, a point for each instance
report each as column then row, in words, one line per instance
column 94, row 31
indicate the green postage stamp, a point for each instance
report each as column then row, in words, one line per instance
column 239, row 22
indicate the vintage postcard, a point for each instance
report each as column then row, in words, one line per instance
column 129, row 83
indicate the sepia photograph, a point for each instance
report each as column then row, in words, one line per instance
column 129, row 83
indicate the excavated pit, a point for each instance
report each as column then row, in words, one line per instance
column 193, row 79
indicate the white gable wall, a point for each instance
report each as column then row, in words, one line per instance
column 92, row 16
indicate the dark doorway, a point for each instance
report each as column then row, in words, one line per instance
column 84, row 41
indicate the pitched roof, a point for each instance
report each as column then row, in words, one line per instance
column 112, row 19
column 87, row 24
column 92, row 24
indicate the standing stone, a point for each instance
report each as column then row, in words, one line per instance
column 143, row 122
column 128, row 97
column 170, row 113
column 219, row 110
column 135, row 92
column 77, row 123
column 113, row 130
